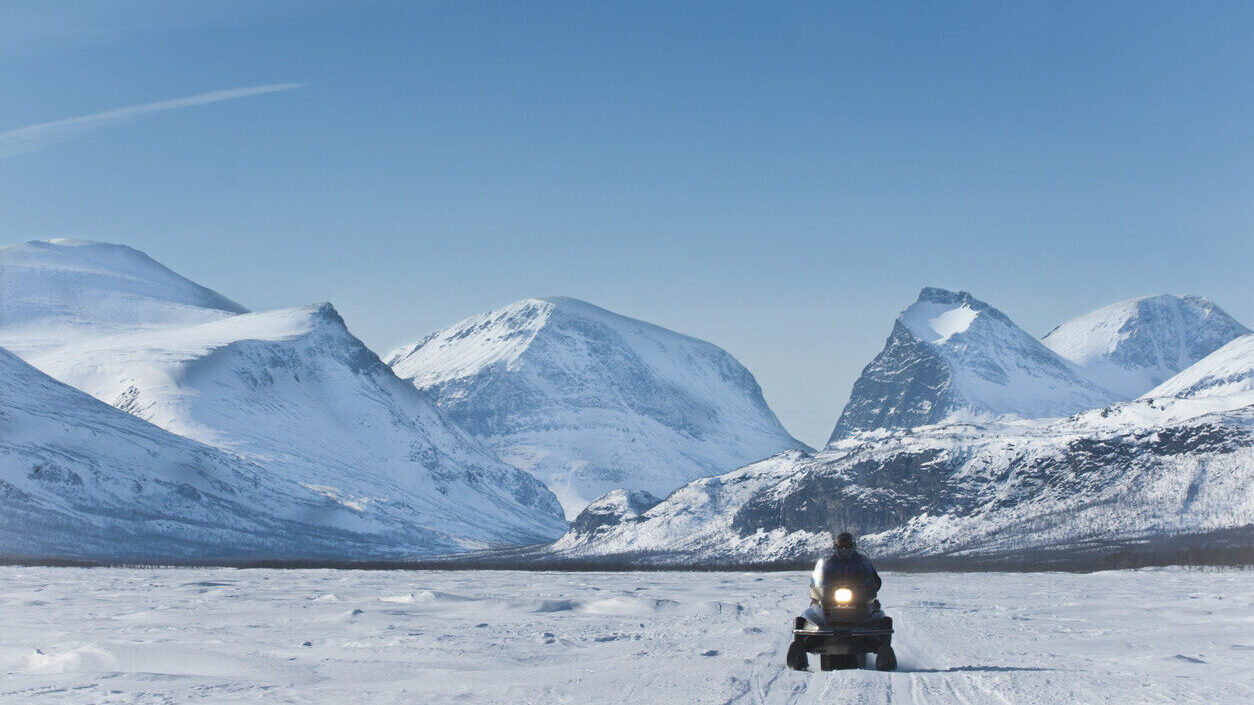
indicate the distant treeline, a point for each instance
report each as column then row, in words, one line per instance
column 1231, row 548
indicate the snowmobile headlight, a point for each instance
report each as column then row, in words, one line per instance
column 842, row 595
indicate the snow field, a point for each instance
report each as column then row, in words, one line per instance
column 221, row 635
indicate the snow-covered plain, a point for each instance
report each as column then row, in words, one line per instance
column 223, row 635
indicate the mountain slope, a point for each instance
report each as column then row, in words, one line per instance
column 291, row 390
column 951, row 355
column 589, row 401
column 1105, row 477
column 1227, row 373
column 54, row 290
column 1132, row 346
column 80, row 479
column 295, row 392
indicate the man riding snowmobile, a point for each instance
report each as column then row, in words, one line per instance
column 844, row 621
column 847, row 566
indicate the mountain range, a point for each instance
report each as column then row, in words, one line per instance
column 966, row 437
column 146, row 417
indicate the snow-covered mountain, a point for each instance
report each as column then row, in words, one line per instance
column 950, row 356
column 1105, row 476
column 59, row 289
column 1179, row 461
column 1132, row 346
column 80, row 479
column 589, row 401
column 1226, row 374
column 294, row 392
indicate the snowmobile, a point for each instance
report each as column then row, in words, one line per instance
column 842, row 625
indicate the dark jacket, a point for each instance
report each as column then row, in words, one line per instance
column 855, row 571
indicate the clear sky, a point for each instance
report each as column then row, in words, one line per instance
column 777, row 177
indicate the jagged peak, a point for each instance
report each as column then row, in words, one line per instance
column 939, row 295
column 938, row 314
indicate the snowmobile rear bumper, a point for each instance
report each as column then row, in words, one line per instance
column 843, row 640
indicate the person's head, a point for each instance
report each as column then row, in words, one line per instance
column 844, row 545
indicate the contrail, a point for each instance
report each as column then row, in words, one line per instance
column 33, row 138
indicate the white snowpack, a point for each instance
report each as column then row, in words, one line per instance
column 1226, row 373
column 997, row 368
column 56, row 289
column 937, row 323
column 245, row 636
column 80, row 479
column 952, row 357
column 293, row 391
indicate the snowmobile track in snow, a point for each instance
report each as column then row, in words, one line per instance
column 221, row 635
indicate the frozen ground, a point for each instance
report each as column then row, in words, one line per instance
column 220, row 635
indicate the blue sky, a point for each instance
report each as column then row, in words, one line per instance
column 779, row 178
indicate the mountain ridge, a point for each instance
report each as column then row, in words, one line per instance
column 1132, row 346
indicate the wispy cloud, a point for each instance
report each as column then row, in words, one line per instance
column 33, row 138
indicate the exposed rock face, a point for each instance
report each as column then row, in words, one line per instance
column 614, row 508
column 950, row 356
column 956, row 488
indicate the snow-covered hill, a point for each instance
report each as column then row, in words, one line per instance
column 59, row 289
column 1227, row 373
column 589, row 401
column 1132, row 346
column 951, row 356
column 292, row 391
column 80, row 479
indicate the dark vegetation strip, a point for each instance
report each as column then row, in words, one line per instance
column 1230, row 548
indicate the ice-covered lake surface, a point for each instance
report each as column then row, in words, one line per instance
column 224, row 635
